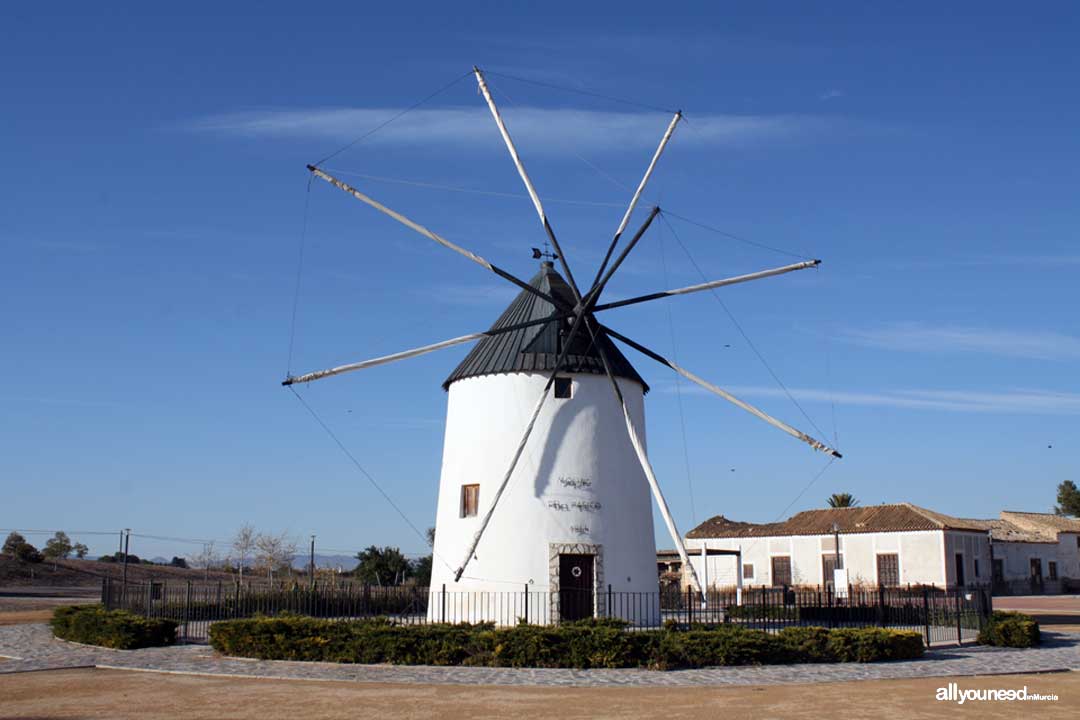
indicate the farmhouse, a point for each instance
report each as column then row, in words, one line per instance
column 1034, row 553
column 890, row 545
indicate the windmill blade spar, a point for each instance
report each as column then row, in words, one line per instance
column 646, row 466
column 431, row 235
column 423, row 350
column 521, row 445
column 486, row 92
column 710, row 285
column 812, row 442
column 637, row 193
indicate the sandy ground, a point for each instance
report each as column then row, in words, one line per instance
column 123, row 694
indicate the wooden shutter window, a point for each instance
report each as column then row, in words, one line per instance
column 888, row 570
column 781, row 570
column 748, row 571
column 470, row 500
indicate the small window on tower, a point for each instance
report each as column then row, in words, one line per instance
column 564, row 387
column 470, row 500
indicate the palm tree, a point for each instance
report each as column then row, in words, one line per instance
column 842, row 500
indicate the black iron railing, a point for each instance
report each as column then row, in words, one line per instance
column 939, row 615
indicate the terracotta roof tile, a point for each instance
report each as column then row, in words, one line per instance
column 873, row 518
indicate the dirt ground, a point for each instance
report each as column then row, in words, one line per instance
column 123, row 694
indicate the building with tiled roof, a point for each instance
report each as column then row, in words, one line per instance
column 893, row 544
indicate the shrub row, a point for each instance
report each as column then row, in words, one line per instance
column 587, row 644
column 94, row 625
column 1010, row 629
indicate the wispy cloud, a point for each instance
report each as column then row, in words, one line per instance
column 830, row 95
column 917, row 337
column 544, row 129
column 1017, row 401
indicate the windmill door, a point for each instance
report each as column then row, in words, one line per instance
column 575, row 587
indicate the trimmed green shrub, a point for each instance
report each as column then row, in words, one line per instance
column 1011, row 629
column 119, row 629
column 874, row 644
column 587, row 644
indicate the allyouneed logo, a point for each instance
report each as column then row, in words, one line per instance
column 952, row 692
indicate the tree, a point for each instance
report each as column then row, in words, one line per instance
column 58, row 547
column 12, row 543
column 243, row 544
column 274, row 552
column 842, row 500
column 1068, row 499
column 421, row 570
column 15, row 546
column 80, row 550
column 178, row 562
column 206, row 559
column 421, row 567
column 382, row 566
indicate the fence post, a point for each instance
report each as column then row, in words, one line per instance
column 881, row 605
column 236, row 604
column 609, row 600
column 689, row 606
column 959, row 637
column 926, row 613
column 526, row 602
column 105, row 592
column 443, row 617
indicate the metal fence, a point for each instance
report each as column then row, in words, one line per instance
column 939, row 615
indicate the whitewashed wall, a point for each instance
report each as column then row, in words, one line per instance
column 578, row 482
column 921, row 557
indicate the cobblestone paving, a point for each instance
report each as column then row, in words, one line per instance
column 32, row 647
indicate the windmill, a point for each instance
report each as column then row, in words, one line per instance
column 547, row 377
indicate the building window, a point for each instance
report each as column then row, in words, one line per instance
column 1051, row 568
column 960, row 570
column 1036, row 569
column 781, row 570
column 888, row 569
column 976, row 567
column 828, row 568
column 564, row 388
column 748, row 571
column 470, row 500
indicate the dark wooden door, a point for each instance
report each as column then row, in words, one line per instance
column 960, row 570
column 575, row 587
column 781, row 570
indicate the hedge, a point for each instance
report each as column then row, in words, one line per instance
column 119, row 629
column 1011, row 629
column 586, row 644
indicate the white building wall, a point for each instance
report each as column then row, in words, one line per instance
column 577, row 488
column 1068, row 554
column 971, row 546
column 921, row 557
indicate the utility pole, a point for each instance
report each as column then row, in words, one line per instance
column 312, row 564
column 127, row 546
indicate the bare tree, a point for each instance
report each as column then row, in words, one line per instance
column 273, row 552
column 243, row 544
column 206, row 559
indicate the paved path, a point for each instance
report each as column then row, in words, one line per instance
column 34, row 648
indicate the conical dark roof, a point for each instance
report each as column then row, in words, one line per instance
column 537, row 348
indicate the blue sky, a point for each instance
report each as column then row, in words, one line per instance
column 154, row 190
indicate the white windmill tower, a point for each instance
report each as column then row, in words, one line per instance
column 545, row 477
